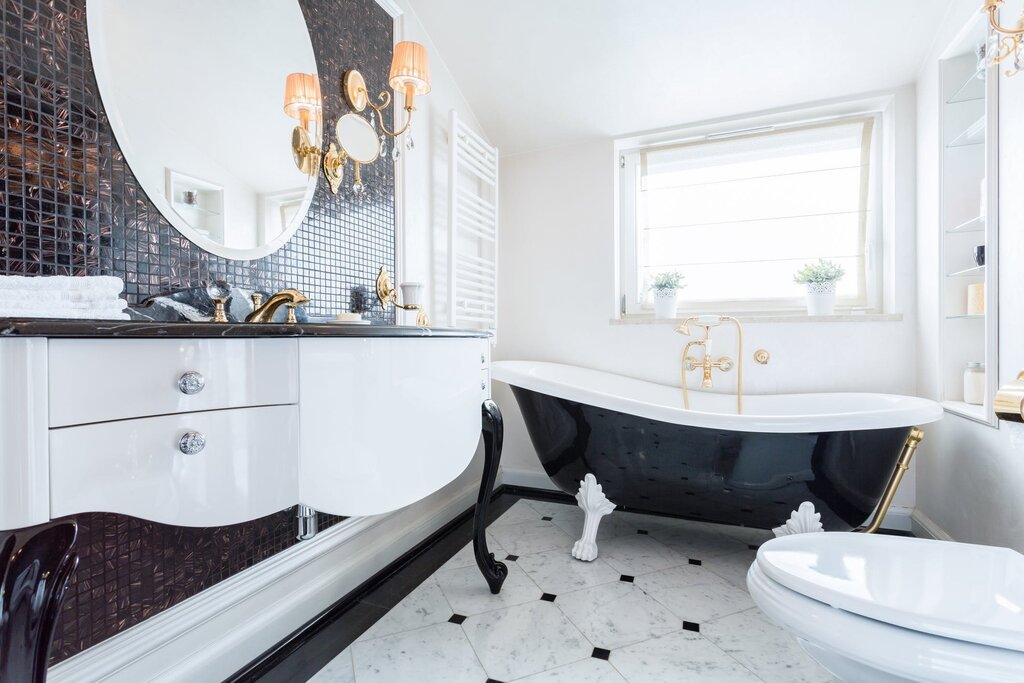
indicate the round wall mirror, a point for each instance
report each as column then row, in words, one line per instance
column 196, row 93
column 358, row 138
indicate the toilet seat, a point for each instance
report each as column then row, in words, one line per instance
column 972, row 593
column 878, row 608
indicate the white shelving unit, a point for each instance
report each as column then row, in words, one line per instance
column 969, row 218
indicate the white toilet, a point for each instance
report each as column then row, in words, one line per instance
column 887, row 608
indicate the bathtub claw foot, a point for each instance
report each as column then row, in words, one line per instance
column 804, row 520
column 595, row 505
column 494, row 572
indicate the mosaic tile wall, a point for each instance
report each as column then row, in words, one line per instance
column 71, row 206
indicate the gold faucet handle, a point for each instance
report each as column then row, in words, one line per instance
column 257, row 300
column 724, row 364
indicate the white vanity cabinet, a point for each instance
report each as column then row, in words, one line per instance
column 210, row 432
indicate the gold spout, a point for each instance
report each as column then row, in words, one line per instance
column 265, row 312
column 707, row 363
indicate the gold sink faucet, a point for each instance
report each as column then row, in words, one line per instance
column 264, row 312
column 707, row 362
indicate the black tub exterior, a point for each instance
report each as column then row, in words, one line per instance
column 729, row 477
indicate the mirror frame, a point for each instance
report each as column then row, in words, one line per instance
column 96, row 32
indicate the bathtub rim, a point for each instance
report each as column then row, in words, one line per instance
column 911, row 410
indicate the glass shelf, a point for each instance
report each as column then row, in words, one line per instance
column 196, row 208
column 966, row 316
column 974, row 135
column 971, row 90
column 976, row 271
column 976, row 224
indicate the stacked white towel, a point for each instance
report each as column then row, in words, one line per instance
column 60, row 296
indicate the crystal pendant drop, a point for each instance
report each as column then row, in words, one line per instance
column 396, row 152
column 409, row 144
column 358, row 188
column 383, row 145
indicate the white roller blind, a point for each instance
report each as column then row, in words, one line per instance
column 739, row 216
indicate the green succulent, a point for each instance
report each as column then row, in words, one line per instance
column 668, row 280
column 822, row 271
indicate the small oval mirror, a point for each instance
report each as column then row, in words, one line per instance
column 358, row 138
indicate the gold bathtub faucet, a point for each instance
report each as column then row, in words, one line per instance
column 708, row 362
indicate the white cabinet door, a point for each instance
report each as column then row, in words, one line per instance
column 386, row 422
column 245, row 470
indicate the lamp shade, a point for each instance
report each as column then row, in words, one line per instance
column 410, row 68
column 301, row 94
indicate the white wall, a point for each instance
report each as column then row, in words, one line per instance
column 558, row 294
column 970, row 482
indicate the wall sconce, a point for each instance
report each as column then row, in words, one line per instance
column 1006, row 42
column 302, row 101
column 410, row 75
column 387, row 294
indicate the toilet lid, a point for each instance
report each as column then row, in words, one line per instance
column 973, row 593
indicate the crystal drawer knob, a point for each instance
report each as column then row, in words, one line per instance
column 191, row 383
column 192, row 443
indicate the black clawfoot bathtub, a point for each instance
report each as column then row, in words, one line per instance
column 707, row 463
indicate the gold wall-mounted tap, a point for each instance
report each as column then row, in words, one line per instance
column 707, row 362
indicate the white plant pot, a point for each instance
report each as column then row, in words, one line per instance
column 821, row 298
column 666, row 301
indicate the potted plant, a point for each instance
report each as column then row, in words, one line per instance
column 666, row 293
column 821, row 279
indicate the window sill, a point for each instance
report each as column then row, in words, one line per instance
column 753, row 318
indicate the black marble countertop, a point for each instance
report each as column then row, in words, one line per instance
column 144, row 329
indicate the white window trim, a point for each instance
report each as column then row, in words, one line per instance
column 880, row 231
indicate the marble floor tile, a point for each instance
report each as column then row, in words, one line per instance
column 589, row 670
column 425, row 606
column 733, row 567
column 433, row 654
column 679, row 657
column 744, row 534
column 697, row 541
column 466, row 558
column 556, row 510
column 694, row 594
column 467, row 591
column 532, row 537
column 339, row 670
column 764, row 648
column 517, row 514
column 557, row 572
column 636, row 554
column 524, row 640
column 617, row 614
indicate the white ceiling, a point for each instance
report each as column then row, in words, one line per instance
column 540, row 73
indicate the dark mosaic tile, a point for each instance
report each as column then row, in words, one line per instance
column 696, row 562
column 456, row 619
column 511, row 558
column 626, row 578
column 643, row 532
column 547, row 519
column 548, row 597
column 691, row 626
column 601, row 653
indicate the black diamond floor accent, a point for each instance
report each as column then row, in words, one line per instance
column 695, row 562
column 627, row 578
column 548, row 597
column 492, row 680
column 601, row 653
column 547, row 519
column 642, row 532
column 691, row 626
column 511, row 558
column 456, row 619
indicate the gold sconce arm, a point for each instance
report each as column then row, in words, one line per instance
column 992, row 9
column 385, row 98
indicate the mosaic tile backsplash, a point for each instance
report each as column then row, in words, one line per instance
column 71, row 206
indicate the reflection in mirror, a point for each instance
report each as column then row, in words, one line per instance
column 198, row 113
column 359, row 143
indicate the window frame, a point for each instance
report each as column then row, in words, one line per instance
column 633, row 303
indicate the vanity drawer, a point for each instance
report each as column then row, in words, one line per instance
column 97, row 380
column 247, row 468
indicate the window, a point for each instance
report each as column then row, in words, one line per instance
column 739, row 213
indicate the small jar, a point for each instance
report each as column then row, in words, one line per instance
column 974, row 384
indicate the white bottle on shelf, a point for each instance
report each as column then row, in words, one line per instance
column 974, row 384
